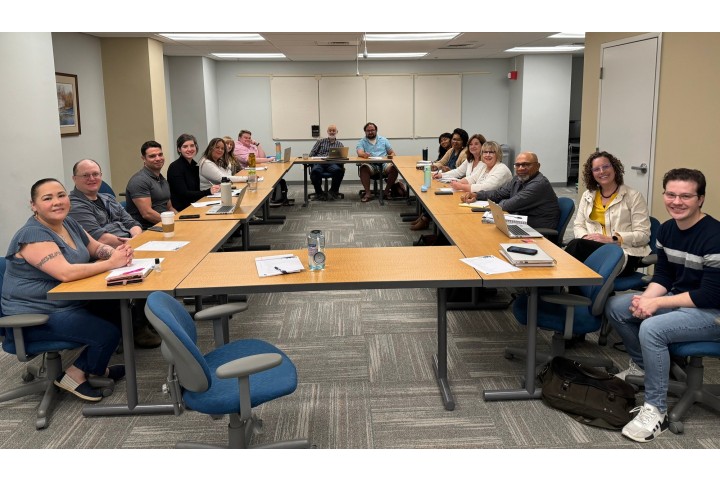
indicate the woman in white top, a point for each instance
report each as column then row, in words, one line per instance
column 214, row 165
column 483, row 170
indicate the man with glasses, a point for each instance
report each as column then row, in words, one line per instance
column 104, row 219
column 529, row 193
column 321, row 149
column 679, row 305
column 148, row 193
column 376, row 146
column 100, row 214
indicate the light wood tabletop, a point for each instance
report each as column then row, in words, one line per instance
column 434, row 204
column 345, row 269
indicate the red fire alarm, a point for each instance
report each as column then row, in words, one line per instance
column 512, row 75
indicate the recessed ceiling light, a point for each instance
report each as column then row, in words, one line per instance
column 394, row 55
column 408, row 37
column 200, row 37
column 567, row 35
column 248, row 55
column 559, row 49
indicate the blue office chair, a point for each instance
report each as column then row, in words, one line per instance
column 635, row 281
column 106, row 188
column 204, row 383
column 573, row 314
column 13, row 342
column 567, row 208
column 689, row 385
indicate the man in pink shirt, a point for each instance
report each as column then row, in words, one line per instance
column 246, row 145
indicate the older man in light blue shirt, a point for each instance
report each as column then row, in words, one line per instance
column 373, row 145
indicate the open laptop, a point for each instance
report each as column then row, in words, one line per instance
column 338, row 153
column 512, row 231
column 227, row 209
column 286, row 155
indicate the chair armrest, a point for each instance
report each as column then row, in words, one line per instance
column 566, row 299
column 244, row 367
column 24, row 320
column 649, row 259
column 548, row 231
column 219, row 311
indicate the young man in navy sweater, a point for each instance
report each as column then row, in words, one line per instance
column 679, row 305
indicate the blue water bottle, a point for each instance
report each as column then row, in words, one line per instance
column 278, row 157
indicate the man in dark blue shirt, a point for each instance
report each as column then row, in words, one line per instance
column 679, row 305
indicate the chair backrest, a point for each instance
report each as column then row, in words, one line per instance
column 105, row 188
column 654, row 229
column 179, row 341
column 606, row 261
column 2, row 277
column 567, row 208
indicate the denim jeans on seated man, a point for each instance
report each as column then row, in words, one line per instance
column 646, row 340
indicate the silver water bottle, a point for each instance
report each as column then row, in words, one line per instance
column 316, row 250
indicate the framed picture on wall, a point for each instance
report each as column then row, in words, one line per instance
column 68, row 103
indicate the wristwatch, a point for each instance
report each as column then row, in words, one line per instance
column 615, row 239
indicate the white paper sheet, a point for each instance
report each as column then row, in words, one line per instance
column 489, row 264
column 161, row 246
column 278, row 265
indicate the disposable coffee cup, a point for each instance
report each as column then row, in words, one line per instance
column 168, row 224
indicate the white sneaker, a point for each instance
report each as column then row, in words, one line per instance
column 632, row 369
column 648, row 424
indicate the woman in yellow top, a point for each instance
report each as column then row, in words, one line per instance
column 610, row 212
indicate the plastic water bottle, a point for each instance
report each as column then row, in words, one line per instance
column 316, row 250
column 225, row 192
column 425, row 154
column 278, row 157
column 426, row 185
column 252, row 174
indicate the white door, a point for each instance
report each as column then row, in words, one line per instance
column 628, row 106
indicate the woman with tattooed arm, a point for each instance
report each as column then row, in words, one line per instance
column 52, row 248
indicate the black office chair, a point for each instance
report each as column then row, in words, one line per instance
column 326, row 176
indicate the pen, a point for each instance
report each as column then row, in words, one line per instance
column 133, row 271
column 281, row 270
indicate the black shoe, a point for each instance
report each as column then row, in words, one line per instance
column 335, row 195
column 116, row 372
column 145, row 338
column 322, row 197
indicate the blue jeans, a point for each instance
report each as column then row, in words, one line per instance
column 95, row 325
column 646, row 341
column 336, row 171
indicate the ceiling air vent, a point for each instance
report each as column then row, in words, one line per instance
column 460, row 46
column 337, row 44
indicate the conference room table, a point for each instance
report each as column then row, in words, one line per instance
column 252, row 201
column 203, row 237
column 307, row 163
column 346, row 269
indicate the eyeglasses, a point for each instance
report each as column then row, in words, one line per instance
column 490, row 152
column 602, row 168
column 88, row 176
column 525, row 165
column 684, row 197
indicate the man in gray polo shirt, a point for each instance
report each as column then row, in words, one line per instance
column 148, row 192
column 104, row 219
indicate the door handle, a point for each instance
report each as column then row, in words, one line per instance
column 643, row 168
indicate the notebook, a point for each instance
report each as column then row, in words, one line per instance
column 227, row 209
column 338, row 153
column 512, row 231
column 540, row 259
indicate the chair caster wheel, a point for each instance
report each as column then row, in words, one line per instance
column 107, row 391
column 27, row 377
column 677, row 427
column 40, row 423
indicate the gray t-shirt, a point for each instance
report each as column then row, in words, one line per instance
column 142, row 185
column 25, row 286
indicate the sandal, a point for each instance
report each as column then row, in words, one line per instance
column 387, row 195
column 366, row 199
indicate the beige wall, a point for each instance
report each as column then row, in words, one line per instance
column 688, row 128
column 135, row 102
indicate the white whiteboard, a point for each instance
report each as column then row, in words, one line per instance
column 390, row 105
column 342, row 102
column 437, row 104
column 295, row 107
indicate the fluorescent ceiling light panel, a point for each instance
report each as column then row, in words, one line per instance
column 559, row 49
column 248, row 55
column 394, row 55
column 204, row 37
column 408, row 37
column 568, row 35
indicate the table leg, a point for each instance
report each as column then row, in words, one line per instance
column 132, row 407
column 529, row 392
column 440, row 359
column 380, row 193
column 305, row 187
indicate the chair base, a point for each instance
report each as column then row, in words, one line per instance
column 691, row 391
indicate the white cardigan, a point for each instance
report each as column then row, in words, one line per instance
column 211, row 174
column 626, row 216
column 479, row 178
